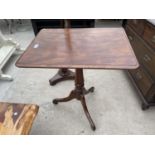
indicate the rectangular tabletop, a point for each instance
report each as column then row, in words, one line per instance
column 94, row 48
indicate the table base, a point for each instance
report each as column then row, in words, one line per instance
column 79, row 93
column 62, row 75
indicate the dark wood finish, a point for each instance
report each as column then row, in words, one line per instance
column 81, row 23
column 97, row 48
column 79, row 94
column 144, row 53
column 137, row 25
column 149, row 35
column 38, row 24
column 94, row 48
column 16, row 119
column 62, row 75
column 143, row 80
column 141, row 38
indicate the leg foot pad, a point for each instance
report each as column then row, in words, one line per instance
column 55, row 101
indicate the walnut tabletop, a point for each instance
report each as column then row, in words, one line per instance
column 16, row 119
column 93, row 48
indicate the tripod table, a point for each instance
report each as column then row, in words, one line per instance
column 87, row 48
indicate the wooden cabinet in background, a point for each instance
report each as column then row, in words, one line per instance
column 141, row 34
column 39, row 24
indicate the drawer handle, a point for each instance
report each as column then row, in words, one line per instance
column 146, row 58
column 138, row 76
column 153, row 39
column 130, row 38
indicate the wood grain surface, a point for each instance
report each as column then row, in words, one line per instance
column 16, row 119
column 100, row 48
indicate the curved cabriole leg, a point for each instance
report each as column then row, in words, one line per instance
column 90, row 90
column 78, row 93
column 83, row 102
column 68, row 98
column 145, row 106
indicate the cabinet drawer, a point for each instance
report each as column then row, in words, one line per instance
column 137, row 25
column 142, row 79
column 132, row 38
column 149, row 35
column 148, row 60
column 145, row 55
